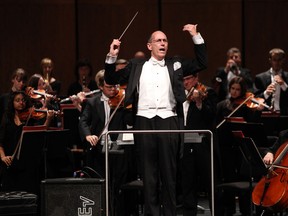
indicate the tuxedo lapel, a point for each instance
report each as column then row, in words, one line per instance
column 134, row 79
column 170, row 70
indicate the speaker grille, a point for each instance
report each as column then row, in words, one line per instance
column 73, row 196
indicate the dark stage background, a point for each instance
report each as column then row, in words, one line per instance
column 66, row 30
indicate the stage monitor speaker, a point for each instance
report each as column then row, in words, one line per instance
column 73, row 196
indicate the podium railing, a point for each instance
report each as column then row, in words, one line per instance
column 106, row 143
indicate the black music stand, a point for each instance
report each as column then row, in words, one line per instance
column 255, row 167
column 71, row 121
column 29, row 157
column 58, row 159
column 253, row 130
column 45, row 153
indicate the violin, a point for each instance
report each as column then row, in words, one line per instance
column 39, row 94
column 118, row 99
column 36, row 114
column 271, row 190
column 250, row 101
column 200, row 88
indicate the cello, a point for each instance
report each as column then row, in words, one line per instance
column 272, row 190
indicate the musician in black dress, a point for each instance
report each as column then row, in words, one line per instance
column 18, row 177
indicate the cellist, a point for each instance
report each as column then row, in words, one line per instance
column 270, row 152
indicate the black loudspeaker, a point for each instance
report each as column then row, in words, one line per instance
column 73, row 196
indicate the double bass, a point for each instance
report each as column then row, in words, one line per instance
column 272, row 190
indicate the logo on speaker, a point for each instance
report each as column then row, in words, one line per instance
column 85, row 210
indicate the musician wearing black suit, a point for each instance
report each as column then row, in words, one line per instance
column 272, row 84
column 270, row 153
column 92, row 124
column 232, row 68
column 155, row 88
column 199, row 114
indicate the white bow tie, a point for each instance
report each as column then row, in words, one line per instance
column 155, row 62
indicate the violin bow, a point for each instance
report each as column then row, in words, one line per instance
column 110, row 118
column 128, row 25
column 19, row 144
column 222, row 122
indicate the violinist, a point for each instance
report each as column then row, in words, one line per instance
column 37, row 82
column 18, row 80
column 92, row 122
column 231, row 157
column 36, row 89
column 10, row 133
column 199, row 114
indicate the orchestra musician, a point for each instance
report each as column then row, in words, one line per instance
column 53, row 85
column 37, row 88
column 199, row 114
column 18, row 80
column 92, row 125
column 84, row 80
column 272, row 84
column 232, row 68
column 268, row 179
column 17, row 177
column 270, row 152
column 231, row 157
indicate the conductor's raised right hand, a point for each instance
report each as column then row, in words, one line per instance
column 114, row 47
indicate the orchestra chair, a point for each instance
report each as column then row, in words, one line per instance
column 252, row 167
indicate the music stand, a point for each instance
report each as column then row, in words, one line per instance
column 71, row 121
column 29, row 156
column 57, row 161
column 253, row 159
column 250, row 129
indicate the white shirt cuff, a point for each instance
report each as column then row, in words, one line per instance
column 110, row 59
column 197, row 39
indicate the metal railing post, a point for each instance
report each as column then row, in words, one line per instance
column 154, row 132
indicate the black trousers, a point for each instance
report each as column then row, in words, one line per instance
column 159, row 155
column 196, row 174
